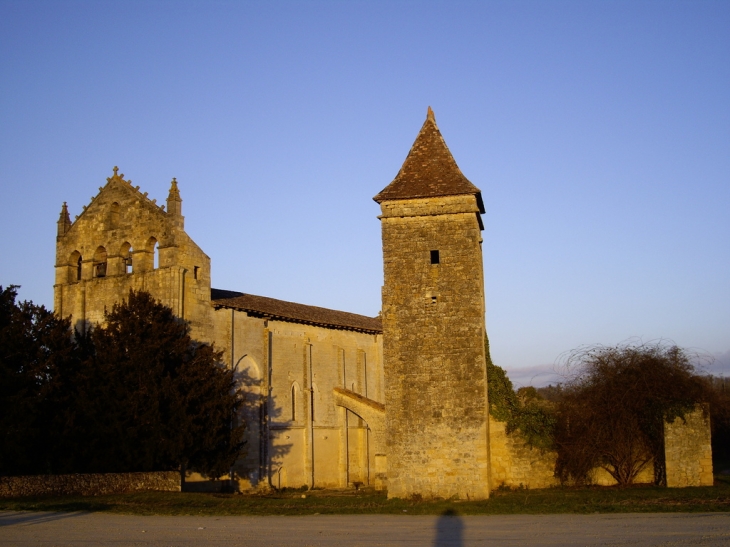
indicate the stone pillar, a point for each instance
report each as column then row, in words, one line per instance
column 687, row 450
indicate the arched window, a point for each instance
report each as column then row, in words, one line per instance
column 154, row 249
column 114, row 216
column 100, row 262
column 74, row 267
column 293, row 403
column 126, row 253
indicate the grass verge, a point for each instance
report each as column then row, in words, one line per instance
column 637, row 499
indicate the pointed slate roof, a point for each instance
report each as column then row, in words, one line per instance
column 429, row 170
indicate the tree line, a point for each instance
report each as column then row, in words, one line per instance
column 134, row 394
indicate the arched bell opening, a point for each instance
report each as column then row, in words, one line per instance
column 153, row 249
column 74, row 267
column 125, row 252
column 100, row 262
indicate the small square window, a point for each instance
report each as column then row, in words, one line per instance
column 435, row 257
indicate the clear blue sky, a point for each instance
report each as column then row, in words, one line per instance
column 598, row 132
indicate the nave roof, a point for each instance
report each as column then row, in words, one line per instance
column 281, row 310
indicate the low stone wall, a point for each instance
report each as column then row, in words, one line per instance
column 515, row 464
column 687, row 448
column 88, row 484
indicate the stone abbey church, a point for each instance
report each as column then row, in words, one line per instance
column 397, row 402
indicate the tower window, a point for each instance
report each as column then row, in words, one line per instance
column 435, row 257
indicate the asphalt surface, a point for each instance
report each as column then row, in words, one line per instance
column 99, row 529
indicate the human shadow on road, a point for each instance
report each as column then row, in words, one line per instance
column 449, row 530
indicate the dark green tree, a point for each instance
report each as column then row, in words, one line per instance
column 155, row 398
column 135, row 394
column 612, row 413
column 36, row 350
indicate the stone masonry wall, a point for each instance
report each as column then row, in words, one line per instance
column 433, row 349
column 373, row 413
column 284, row 365
column 601, row 477
column 110, row 249
column 688, row 455
column 88, row 484
column 515, row 464
column 688, row 452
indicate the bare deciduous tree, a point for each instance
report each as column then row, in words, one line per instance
column 612, row 412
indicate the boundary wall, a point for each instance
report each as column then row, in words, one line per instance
column 687, row 450
column 93, row 484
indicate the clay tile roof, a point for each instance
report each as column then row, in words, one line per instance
column 429, row 169
column 261, row 306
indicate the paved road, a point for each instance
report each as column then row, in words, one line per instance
column 82, row 529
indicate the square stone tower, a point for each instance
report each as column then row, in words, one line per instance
column 433, row 326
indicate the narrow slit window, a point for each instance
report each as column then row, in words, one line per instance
column 195, row 272
column 435, row 259
column 293, row 403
